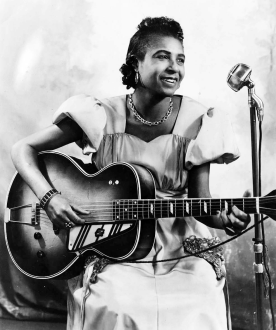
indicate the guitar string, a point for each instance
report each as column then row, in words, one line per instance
column 139, row 206
column 159, row 208
column 160, row 205
column 176, row 203
column 213, row 201
column 109, row 218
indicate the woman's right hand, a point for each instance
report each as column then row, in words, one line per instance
column 63, row 213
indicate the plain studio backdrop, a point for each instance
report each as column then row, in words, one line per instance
column 53, row 49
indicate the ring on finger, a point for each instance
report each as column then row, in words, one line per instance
column 68, row 225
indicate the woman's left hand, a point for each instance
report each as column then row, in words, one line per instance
column 236, row 221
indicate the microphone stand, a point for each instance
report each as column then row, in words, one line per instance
column 238, row 77
column 256, row 106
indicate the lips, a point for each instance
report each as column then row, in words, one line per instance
column 170, row 80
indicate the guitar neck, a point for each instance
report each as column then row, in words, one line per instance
column 168, row 208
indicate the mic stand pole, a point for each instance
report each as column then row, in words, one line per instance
column 256, row 105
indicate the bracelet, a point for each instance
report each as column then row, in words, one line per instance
column 47, row 197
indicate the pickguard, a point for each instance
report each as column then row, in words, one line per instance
column 86, row 236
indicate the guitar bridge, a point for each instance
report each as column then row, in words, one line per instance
column 15, row 214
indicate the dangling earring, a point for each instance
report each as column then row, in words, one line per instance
column 136, row 78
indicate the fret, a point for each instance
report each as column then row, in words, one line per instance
column 229, row 205
column 199, row 202
column 124, row 209
column 165, row 212
column 135, row 210
column 128, row 209
column 165, row 209
column 119, row 206
column 141, row 209
column 114, row 210
column 144, row 209
column 158, row 208
column 179, row 210
column 184, row 207
column 213, row 206
column 118, row 210
column 161, row 210
column 239, row 202
column 168, row 208
column 196, row 207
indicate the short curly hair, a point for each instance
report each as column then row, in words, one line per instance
column 148, row 30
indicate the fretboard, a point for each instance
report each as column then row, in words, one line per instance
column 132, row 209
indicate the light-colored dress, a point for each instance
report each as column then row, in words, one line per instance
column 179, row 294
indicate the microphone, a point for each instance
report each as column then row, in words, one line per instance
column 238, row 77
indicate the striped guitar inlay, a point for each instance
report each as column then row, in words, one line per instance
column 83, row 236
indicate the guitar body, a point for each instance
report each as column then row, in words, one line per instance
column 41, row 252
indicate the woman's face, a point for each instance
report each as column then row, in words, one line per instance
column 162, row 69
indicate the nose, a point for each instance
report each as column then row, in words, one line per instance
column 173, row 66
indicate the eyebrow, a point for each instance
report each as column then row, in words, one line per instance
column 167, row 52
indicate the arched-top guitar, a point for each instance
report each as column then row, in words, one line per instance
column 120, row 226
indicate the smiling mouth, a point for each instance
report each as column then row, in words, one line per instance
column 170, row 80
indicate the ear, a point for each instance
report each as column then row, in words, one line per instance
column 134, row 62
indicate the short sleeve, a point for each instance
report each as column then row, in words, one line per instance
column 89, row 114
column 215, row 141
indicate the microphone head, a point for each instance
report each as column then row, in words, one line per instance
column 239, row 76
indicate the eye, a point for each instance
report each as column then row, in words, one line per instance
column 181, row 60
column 162, row 57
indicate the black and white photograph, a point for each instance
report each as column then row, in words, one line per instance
column 138, row 177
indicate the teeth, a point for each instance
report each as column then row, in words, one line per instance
column 169, row 80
